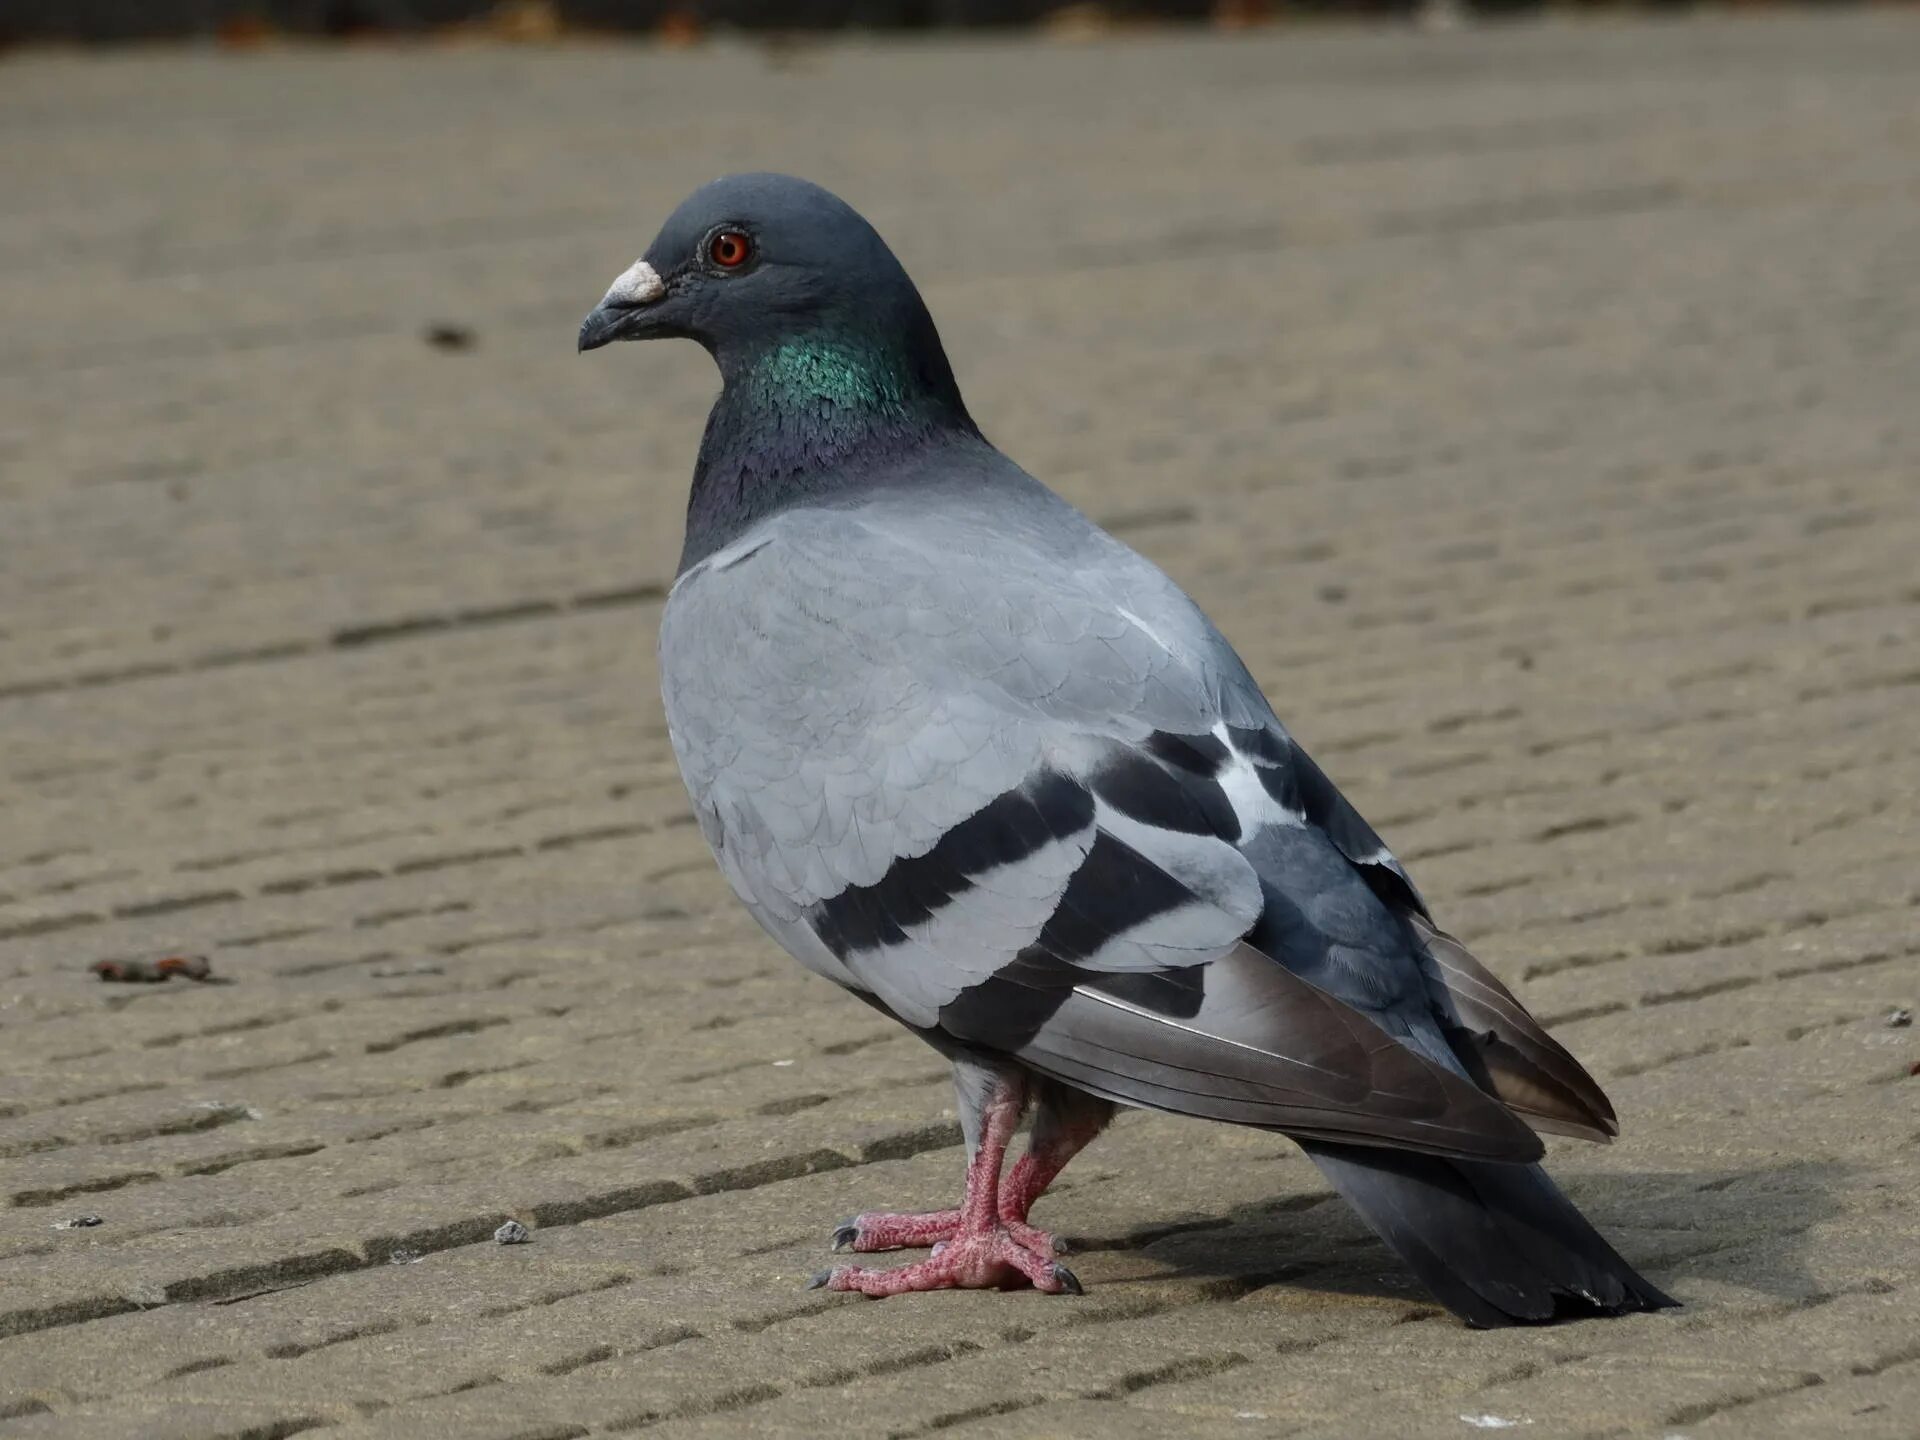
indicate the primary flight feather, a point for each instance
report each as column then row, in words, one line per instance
column 965, row 754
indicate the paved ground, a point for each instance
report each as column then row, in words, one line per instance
column 1536, row 409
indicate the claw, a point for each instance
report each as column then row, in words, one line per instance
column 820, row 1279
column 1069, row 1282
column 845, row 1234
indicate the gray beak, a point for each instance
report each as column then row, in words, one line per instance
column 623, row 311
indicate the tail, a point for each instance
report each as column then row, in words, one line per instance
column 1497, row 1244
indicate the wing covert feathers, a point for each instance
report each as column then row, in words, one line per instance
column 1510, row 1054
column 1266, row 1048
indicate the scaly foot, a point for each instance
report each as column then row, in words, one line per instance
column 994, row 1259
column 877, row 1230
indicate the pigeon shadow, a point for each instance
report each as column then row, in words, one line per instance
column 1745, row 1227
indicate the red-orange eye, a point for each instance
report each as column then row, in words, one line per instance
column 730, row 249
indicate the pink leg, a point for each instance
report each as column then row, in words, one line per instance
column 981, row 1251
column 1056, row 1139
column 1052, row 1147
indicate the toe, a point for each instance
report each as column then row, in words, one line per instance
column 1038, row 1241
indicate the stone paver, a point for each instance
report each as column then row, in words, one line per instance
column 1535, row 408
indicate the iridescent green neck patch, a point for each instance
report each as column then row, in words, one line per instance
column 845, row 375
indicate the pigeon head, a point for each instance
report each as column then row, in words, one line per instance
column 832, row 372
column 761, row 268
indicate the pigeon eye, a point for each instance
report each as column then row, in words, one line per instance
column 730, row 249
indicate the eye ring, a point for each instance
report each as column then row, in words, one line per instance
column 730, row 249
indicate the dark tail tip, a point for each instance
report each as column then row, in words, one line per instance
column 1638, row 1295
column 1498, row 1245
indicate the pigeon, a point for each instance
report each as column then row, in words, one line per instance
column 965, row 754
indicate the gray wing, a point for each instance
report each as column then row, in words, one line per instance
column 1486, row 1030
column 1009, row 783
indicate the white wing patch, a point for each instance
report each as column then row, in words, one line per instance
column 1212, row 869
column 1252, row 805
